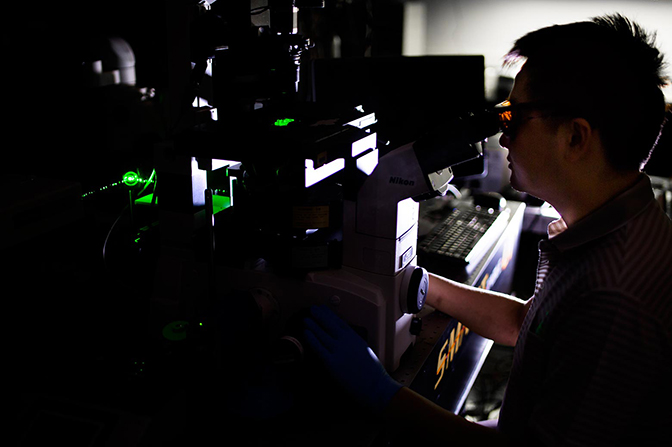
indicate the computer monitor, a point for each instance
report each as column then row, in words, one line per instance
column 410, row 95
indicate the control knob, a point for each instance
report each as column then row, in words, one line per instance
column 414, row 287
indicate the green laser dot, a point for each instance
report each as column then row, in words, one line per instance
column 131, row 178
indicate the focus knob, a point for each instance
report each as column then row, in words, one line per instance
column 414, row 287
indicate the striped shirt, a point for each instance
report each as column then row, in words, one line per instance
column 593, row 361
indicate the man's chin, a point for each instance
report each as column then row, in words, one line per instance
column 515, row 184
column 520, row 188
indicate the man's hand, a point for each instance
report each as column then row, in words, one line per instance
column 349, row 360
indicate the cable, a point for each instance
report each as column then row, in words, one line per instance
column 109, row 233
column 456, row 192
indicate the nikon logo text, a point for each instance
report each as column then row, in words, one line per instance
column 401, row 181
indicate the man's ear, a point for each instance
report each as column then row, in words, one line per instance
column 578, row 137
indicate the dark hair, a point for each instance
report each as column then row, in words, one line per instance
column 606, row 70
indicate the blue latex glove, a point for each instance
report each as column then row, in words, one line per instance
column 349, row 360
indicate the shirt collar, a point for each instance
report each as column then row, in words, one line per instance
column 607, row 218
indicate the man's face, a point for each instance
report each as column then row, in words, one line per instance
column 532, row 151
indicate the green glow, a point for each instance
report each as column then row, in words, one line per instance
column 220, row 203
column 145, row 200
column 131, row 178
column 175, row 331
column 283, row 122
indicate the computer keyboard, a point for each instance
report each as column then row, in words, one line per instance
column 465, row 235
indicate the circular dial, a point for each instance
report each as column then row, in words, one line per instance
column 416, row 294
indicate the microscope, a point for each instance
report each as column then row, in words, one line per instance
column 377, row 286
column 292, row 204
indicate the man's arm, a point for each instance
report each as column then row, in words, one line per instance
column 406, row 414
column 411, row 417
column 492, row 315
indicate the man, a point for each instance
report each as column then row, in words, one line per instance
column 593, row 346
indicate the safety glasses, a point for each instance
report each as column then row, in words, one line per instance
column 511, row 116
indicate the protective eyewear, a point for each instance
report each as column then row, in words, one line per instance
column 511, row 116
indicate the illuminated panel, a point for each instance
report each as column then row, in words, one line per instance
column 218, row 164
column 198, row 184
column 364, row 121
column 200, row 102
column 367, row 163
column 368, row 142
column 315, row 175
